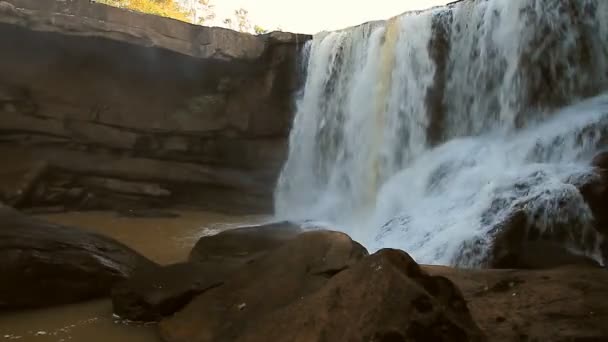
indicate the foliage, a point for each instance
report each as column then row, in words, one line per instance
column 193, row 11
column 164, row 8
column 199, row 11
column 242, row 20
column 259, row 29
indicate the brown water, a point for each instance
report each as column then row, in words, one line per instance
column 164, row 240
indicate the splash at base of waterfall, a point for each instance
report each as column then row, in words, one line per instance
column 427, row 132
column 459, row 192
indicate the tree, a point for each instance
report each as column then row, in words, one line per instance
column 200, row 11
column 207, row 11
column 228, row 23
column 242, row 20
column 180, row 10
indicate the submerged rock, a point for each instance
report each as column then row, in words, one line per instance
column 46, row 264
column 267, row 284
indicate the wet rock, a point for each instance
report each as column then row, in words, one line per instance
column 560, row 304
column 539, row 255
column 600, row 161
column 155, row 293
column 247, row 243
column 595, row 192
column 519, row 244
column 255, row 292
column 46, row 264
column 384, row 297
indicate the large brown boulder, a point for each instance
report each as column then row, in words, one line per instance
column 385, row 297
column 558, row 305
column 245, row 243
column 46, row 264
column 270, row 283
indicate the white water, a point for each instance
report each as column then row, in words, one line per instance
column 361, row 155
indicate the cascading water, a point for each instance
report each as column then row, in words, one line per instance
column 426, row 131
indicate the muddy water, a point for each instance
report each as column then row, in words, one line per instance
column 164, row 240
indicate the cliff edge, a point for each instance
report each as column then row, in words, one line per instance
column 104, row 108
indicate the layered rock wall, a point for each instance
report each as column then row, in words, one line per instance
column 137, row 110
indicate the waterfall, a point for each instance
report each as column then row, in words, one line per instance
column 425, row 131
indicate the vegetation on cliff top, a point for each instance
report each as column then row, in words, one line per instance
column 193, row 11
column 164, row 8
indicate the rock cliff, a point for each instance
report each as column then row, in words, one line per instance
column 103, row 108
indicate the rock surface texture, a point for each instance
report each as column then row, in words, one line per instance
column 128, row 109
column 561, row 304
column 44, row 264
column 244, row 244
column 322, row 286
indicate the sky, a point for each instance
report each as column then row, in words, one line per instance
column 313, row 16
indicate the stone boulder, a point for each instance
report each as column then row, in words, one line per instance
column 537, row 255
column 155, row 293
column 385, row 297
column 46, row 264
column 286, row 275
column 517, row 241
column 245, row 243
column 560, row 304
column 515, row 246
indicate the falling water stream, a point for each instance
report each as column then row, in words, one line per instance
column 426, row 131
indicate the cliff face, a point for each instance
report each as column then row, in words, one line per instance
column 104, row 107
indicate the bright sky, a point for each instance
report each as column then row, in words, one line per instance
column 312, row 16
